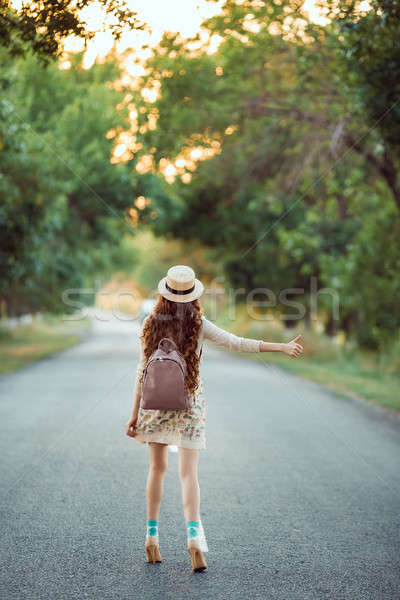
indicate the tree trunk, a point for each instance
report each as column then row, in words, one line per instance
column 331, row 326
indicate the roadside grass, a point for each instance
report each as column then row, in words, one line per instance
column 341, row 367
column 344, row 377
column 28, row 343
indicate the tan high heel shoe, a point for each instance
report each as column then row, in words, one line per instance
column 152, row 551
column 196, row 556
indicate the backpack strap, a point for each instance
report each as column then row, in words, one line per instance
column 167, row 345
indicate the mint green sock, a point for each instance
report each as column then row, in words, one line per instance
column 192, row 530
column 152, row 529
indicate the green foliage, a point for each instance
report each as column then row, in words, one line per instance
column 302, row 131
column 62, row 201
column 41, row 27
column 305, row 179
column 369, row 63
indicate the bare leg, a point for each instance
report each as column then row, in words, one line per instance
column 188, row 464
column 158, row 457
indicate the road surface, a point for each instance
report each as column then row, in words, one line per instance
column 300, row 488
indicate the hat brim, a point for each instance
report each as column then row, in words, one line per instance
column 197, row 292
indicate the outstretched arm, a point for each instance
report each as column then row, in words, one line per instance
column 225, row 339
column 230, row 341
column 293, row 348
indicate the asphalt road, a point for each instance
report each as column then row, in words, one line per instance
column 300, row 488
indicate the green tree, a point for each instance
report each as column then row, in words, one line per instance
column 369, row 48
column 287, row 192
column 62, row 210
column 41, row 27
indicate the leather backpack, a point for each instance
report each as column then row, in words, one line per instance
column 164, row 379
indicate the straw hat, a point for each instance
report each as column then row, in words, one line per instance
column 180, row 285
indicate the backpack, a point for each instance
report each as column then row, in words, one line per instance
column 164, row 379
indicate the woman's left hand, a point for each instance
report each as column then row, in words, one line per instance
column 130, row 427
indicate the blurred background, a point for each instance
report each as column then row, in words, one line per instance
column 258, row 142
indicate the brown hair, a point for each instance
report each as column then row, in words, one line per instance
column 180, row 321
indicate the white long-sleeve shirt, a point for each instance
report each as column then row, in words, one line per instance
column 210, row 333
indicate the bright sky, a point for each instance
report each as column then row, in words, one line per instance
column 183, row 16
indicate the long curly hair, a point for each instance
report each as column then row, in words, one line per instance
column 180, row 321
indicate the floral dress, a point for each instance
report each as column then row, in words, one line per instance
column 186, row 428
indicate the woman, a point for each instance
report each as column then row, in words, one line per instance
column 178, row 315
